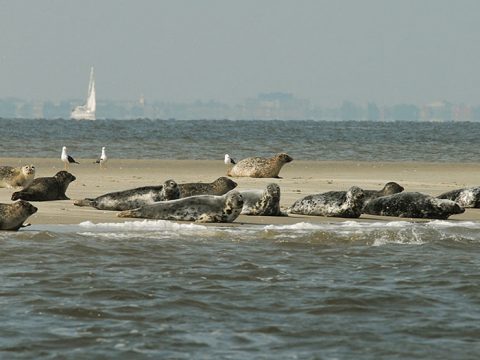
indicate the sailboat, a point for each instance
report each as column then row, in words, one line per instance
column 87, row 111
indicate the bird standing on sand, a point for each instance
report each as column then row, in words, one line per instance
column 228, row 160
column 67, row 159
column 102, row 159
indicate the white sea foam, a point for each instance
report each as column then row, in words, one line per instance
column 144, row 225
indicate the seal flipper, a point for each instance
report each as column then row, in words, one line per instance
column 84, row 202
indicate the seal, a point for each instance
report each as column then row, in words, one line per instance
column 133, row 198
column 46, row 188
column 390, row 188
column 201, row 208
column 260, row 167
column 345, row 204
column 413, row 205
column 467, row 197
column 220, row 186
column 262, row 202
column 13, row 215
column 13, row 177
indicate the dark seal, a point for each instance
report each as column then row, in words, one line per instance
column 133, row 198
column 46, row 188
column 345, row 204
column 218, row 187
column 13, row 215
column 413, row 205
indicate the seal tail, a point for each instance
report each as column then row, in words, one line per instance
column 84, row 202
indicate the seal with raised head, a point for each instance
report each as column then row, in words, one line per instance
column 390, row 188
column 413, row 205
column 13, row 177
column 262, row 202
column 218, row 187
column 133, row 198
column 201, row 208
column 13, row 215
column 47, row 188
column 467, row 197
column 260, row 167
column 346, row 204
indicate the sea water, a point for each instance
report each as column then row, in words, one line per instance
column 163, row 290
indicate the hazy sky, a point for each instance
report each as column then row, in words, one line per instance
column 327, row 51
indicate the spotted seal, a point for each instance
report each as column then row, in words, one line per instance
column 413, row 205
column 346, row 204
column 133, row 198
column 260, row 167
column 47, row 188
column 13, row 215
column 201, row 208
column 13, row 177
column 220, row 186
column 467, row 197
column 262, row 202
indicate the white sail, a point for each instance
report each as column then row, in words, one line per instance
column 87, row 111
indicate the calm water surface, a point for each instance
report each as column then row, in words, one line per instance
column 161, row 290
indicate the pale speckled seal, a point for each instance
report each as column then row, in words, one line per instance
column 133, row 198
column 13, row 215
column 13, row 177
column 467, row 198
column 346, row 204
column 220, row 186
column 260, row 167
column 262, row 202
column 201, row 208
column 413, row 205
column 47, row 188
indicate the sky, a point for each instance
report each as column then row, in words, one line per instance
column 326, row 51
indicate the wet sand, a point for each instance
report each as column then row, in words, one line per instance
column 299, row 178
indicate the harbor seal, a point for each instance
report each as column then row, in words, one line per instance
column 467, row 198
column 346, row 204
column 13, row 177
column 260, row 167
column 262, row 202
column 413, row 205
column 46, row 188
column 201, row 208
column 218, row 187
column 390, row 188
column 13, row 215
column 133, row 198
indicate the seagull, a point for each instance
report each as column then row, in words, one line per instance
column 228, row 160
column 67, row 158
column 102, row 159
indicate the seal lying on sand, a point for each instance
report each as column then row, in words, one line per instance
column 468, row 197
column 347, row 204
column 133, row 198
column 390, row 188
column 262, row 202
column 218, row 187
column 201, row 208
column 12, row 177
column 13, row 215
column 46, row 188
column 412, row 205
column 260, row 167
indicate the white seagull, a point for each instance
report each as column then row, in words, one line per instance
column 228, row 160
column 67, row 159
column 103, row 158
